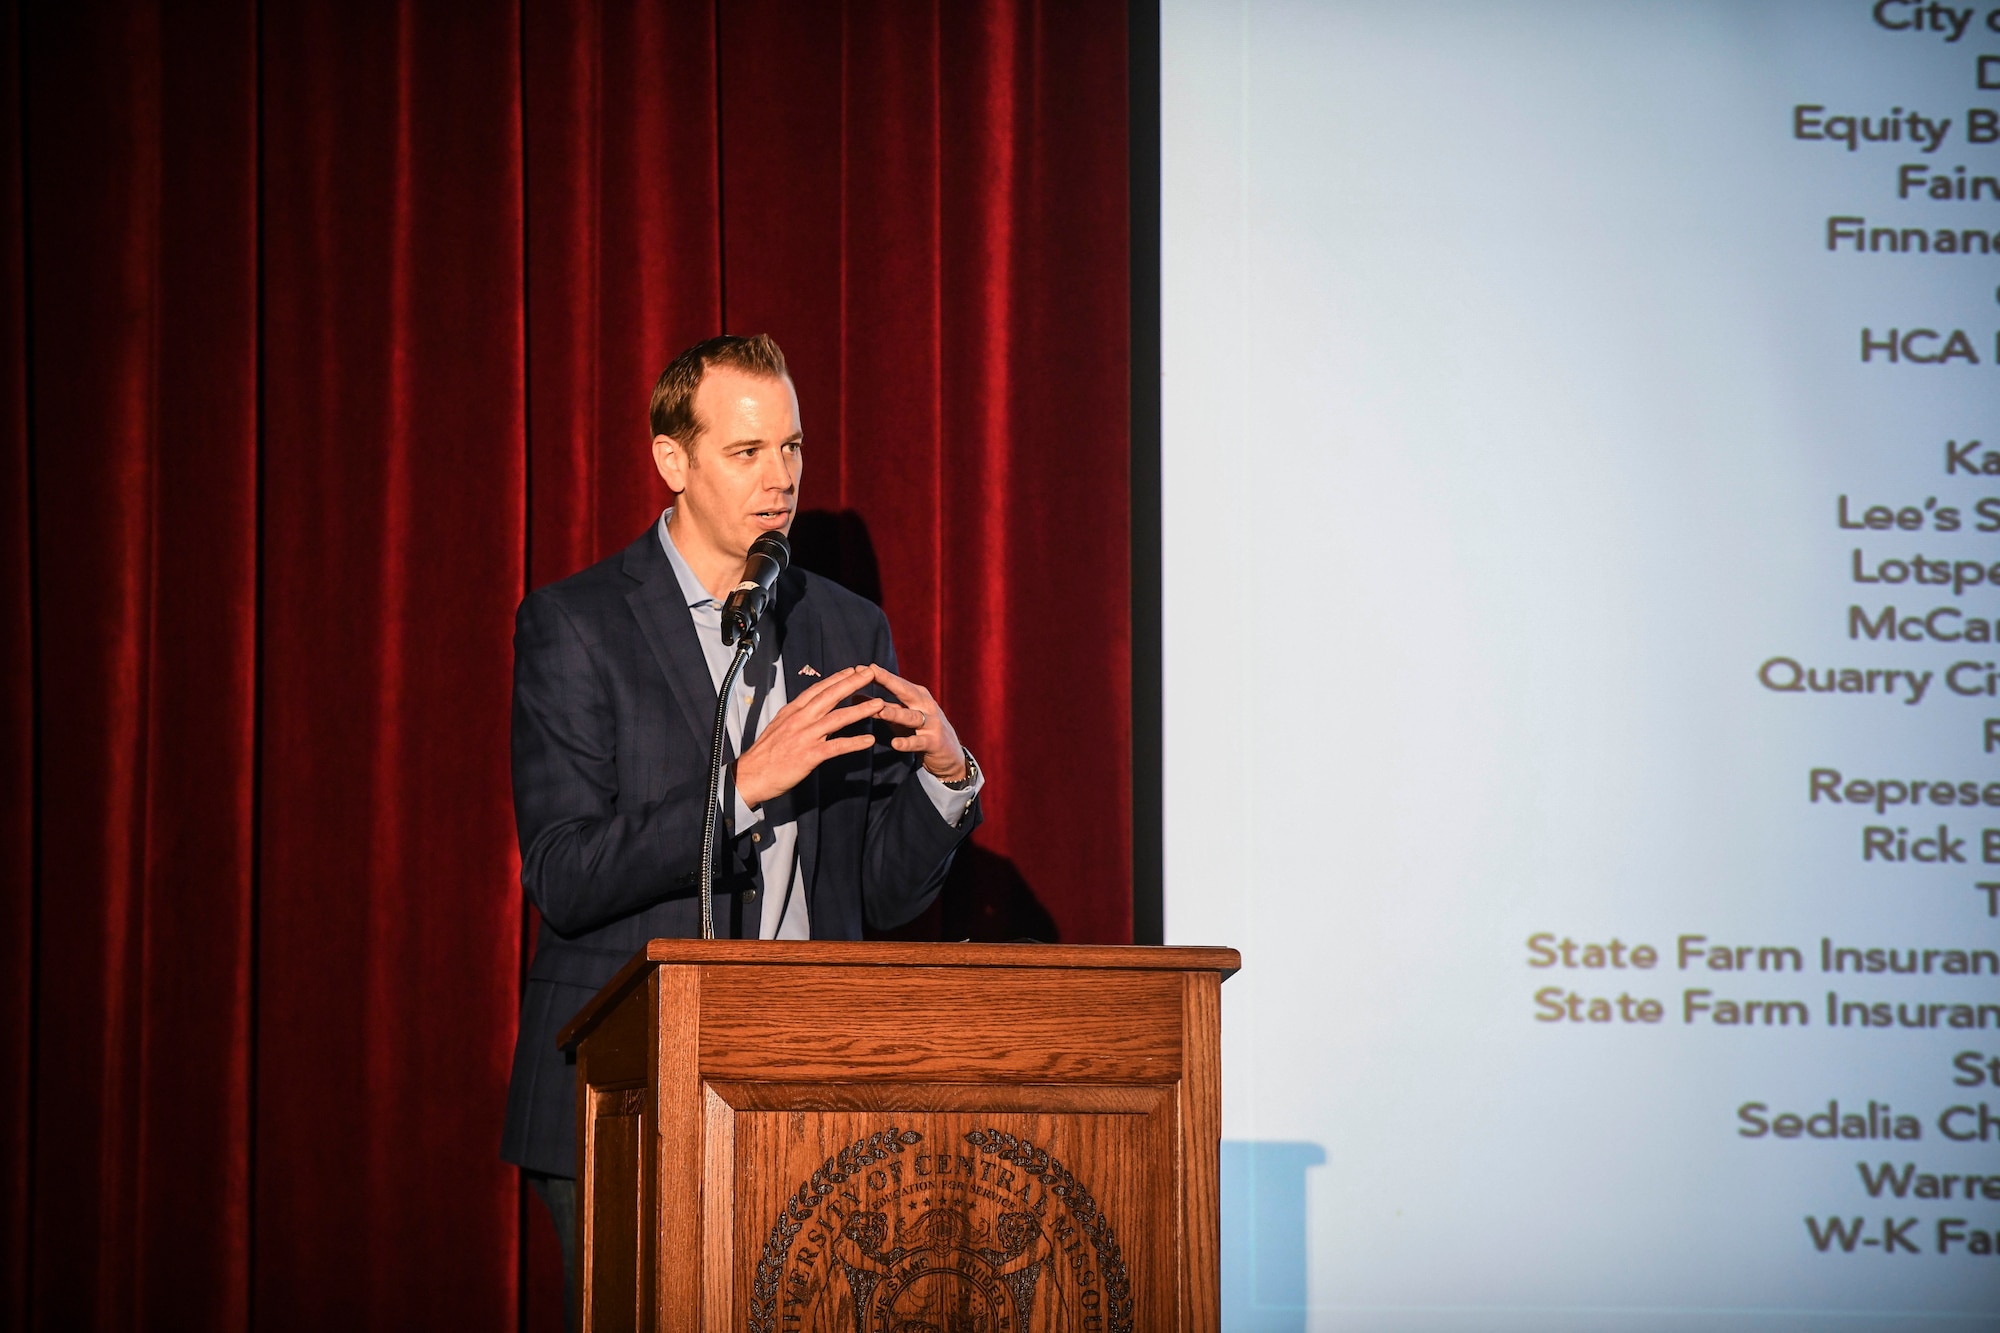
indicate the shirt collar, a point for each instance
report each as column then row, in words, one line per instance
column 690, row 585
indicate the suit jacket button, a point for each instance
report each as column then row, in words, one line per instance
column 756, row 837
column 749, row 895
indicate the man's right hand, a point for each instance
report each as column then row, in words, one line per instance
column 800, row 738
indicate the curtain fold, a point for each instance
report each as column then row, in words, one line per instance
column 394, row 523
column 17, row 704
column 624, row 239
column 141, row 321
column 326, row 329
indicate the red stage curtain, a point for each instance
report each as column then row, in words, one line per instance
column 141, row 356
column 326, row 328
column 17, row 704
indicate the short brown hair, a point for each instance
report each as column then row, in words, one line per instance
column 672, row 408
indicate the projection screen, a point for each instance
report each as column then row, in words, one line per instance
column 1581, row 594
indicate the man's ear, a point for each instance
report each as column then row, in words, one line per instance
column 672, row 461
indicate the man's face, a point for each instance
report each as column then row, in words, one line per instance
column 741, row 478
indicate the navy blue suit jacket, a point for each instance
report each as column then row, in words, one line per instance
column 613, row 705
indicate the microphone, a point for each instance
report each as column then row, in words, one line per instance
column 769, row 555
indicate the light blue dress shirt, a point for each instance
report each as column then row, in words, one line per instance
column 783, row 914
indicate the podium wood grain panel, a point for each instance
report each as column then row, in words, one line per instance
column 1200, row 1095
column 718, row 1211
column 831, row 1138
column 615, row 1169
column 682, row 1113
column 1106, row 1099
column 925, row 1024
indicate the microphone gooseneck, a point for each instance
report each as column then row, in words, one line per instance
column 746, row 645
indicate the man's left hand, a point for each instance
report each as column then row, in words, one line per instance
column 927, row 732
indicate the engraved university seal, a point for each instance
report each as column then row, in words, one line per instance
column 893, row 1235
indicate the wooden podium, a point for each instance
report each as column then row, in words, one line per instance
column 815, row 1137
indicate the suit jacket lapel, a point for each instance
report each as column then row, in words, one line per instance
column 661, row 609
column 799, row 645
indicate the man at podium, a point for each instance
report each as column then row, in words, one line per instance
column 849, row 790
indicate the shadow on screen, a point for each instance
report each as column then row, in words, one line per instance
column 1264, row 1235
column 835, row 544
column 985, row 899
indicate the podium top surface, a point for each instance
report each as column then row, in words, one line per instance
column 896, row 953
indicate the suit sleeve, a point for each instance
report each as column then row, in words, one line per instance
column 586, row 860
column 910, row 846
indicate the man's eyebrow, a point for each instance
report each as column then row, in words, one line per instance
column 796, row 437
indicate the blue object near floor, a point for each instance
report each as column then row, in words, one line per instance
column 1264, row 1235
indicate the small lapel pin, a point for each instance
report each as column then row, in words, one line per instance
column 807, row 670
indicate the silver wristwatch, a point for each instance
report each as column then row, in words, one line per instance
column 971, row 773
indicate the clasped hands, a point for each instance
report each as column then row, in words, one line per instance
column 804, row 733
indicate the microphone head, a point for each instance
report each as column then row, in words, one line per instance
column 772, row 546
column 744, row 606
